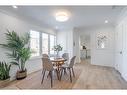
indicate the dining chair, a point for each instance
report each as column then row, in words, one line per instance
column 45, row 55
column 47, row 66
column 65, row 56
column 69, row 68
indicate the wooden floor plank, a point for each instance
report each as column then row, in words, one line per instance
column 87, row 77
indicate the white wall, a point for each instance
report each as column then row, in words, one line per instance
column 12, row 23
column 98, row 56
column 121, row 44
column 76, row 47
column 65, row 39
column 104, row 57
column 61, row 39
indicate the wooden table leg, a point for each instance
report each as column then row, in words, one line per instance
column 58, row 64
column 58, row 72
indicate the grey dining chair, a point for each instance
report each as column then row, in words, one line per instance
column 69, row 67
column 66, row 57
column 47, row 66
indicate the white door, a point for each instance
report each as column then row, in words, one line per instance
column 119, row 47
column 124, row 66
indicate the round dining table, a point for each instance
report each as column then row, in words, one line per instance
column 58, row 62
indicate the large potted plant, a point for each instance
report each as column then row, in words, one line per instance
column 57, row 49
column 4, row 74
column 19, row 51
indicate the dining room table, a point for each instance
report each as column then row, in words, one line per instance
column 58, row 62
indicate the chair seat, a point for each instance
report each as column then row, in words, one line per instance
column 65, row 66
column 69, row 67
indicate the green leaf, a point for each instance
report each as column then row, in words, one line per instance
column 19, row 51
column 4, row 70
column 14, row 63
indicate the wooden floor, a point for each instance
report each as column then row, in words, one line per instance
column 87, row 77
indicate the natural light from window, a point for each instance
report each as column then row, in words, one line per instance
column 52, row 43
column 42, row 43
column 34, row 43
column 45, row 43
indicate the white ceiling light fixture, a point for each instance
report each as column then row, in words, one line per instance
column 62, row 16
column 106, row 21
column 15, row 7
column 56, row 27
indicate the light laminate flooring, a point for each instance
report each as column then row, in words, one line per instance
column 87, row 77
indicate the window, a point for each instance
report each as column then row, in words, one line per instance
column 41, row 43
column 55, row 40
column 34, row 43
column 45, row 45
column 52, row 43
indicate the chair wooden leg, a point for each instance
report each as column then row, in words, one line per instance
column 43, row 76
column 65, row 71
column 48, row 75
column 70, row 75
column 61, row 74
column 51, row 78
column 73, row 72
column 42, row 71
column 57, row 74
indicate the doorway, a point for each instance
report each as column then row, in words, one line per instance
column 85, row 48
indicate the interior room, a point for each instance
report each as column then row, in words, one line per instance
column 63, row 47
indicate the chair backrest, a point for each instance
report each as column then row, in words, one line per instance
column 45, row 56
column 72, row 61
column 65, row 56
column 47, row 64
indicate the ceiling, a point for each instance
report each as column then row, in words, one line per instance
column 80, row 16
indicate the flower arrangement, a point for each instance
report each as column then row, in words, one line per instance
column 58, row 48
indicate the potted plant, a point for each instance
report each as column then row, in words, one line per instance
column 58, row 48
column 19, row 51
column 4, row 74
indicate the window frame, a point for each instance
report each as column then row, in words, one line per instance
column 30, row 42
column 41, row 43
column 50, row 41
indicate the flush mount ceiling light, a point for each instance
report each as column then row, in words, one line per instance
column 14, row 6
column 106, row 21
column 62, row 16
column 56, row 27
